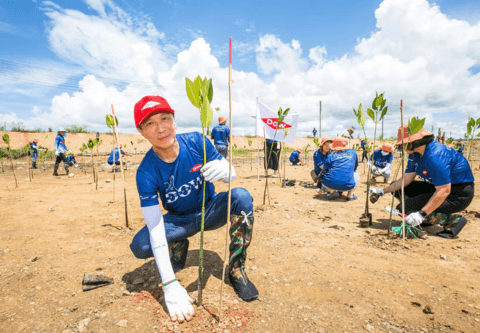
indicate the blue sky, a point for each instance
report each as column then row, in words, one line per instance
column 48, row 52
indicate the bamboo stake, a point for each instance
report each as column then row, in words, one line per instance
column 127, row 208
column 114, row 166
column 229, row 182
column 403, row 173
column 13, row 168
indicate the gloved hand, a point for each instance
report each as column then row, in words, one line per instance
column 377, row 191
column 414, row 219
column 216, row 170
column 178, row 302
column 374, row 168
column 57, row 153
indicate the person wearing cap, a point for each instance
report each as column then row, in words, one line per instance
column 295, row 157
column 71, row 160
column 339, row 171
column 319, row 158
column 221, row 136
column 314, row 132
column 34, row 148
column 114, row 157
column 173, row 171
column 363, row 145
column 272, row 152
column 60, row 149
column 446, row 184
column 380, row 162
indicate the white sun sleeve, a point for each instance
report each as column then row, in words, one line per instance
column 158, row 240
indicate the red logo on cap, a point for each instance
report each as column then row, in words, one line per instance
column 196, row 167
column 424, row 172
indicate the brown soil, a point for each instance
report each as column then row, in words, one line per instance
column 316, row 270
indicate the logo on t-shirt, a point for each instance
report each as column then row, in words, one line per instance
column 196, row 167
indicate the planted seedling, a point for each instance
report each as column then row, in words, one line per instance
column 6, row 139
column 251, row 157
column 376, row 113
column 91, row 145
column 472, row 126
column 30, row 158
column 200, row 94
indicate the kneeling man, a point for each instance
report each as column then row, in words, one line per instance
column 173, row 171
column 381, row 161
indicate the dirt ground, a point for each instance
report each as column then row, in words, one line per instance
column 315, row 269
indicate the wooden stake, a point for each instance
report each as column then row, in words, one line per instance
column 403, row 173
column 229, row 182
column 127, row 208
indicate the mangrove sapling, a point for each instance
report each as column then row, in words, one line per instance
column 125, row 199
column 281, row 116
column 251, row 157
column 91, row 145
column 378, row 111
column 97, row 142
column 200, row 94
column 82, row 149
column 6, row 139
column 472, row 126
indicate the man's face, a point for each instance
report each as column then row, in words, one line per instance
column 61, row 133
column 159, row 130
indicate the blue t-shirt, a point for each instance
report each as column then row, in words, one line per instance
column 363, row 144
column 440, row 165
column 33, row 147
column 295, row 155
column 271, row 141
column 220, row 135
column 60, row 144
column 71, row 158
column 341, row 166
column 381, row 161
column 117, row 156
column 460, row 149
column 319, row 159
column 179, row 184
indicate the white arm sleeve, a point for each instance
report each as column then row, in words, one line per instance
column 224, row 161
column 154, row 219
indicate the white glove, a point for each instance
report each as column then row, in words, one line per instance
column 414, row 219
column 216, row 170
column 368, row 163
column 178, row 302
column 378, row 191
column 374, row 168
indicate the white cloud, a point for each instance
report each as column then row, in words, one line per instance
column 417, row 54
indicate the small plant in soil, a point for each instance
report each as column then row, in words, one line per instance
column 6, row 139
column 472, row 126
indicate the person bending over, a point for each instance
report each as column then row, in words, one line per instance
column 221, row 136
column 34, row 148
column 60, row 149
column 319, row 158
column 71, row 160
column 173, row 171
column 339, row 171
column 295, row 158
column 380, row 162
column 446, row 184
column 114, row 157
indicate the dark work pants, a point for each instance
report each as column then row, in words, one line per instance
column 418, row 193
column 271, row 155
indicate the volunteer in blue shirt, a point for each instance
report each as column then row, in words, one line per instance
column 380, row 162
column 295, row 157
column 116, row 159
column 314, row 132
column 221, row 136
column 319, row 158
column 363, row 145
column 60, row 149
column 272, row 152
column 339, row 171
column 446, row 186
column 34, row 148
column 173, row 171
column 71, row 160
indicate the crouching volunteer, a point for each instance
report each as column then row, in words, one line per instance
column 34, row 148
column 114, row 158
column 221, row 136
column 339, row 171
column 319, row 158
column 60, row 149
column 71, row 160
column 173, row 171
column 295, row 158
column 380, row 162
column 446, row 186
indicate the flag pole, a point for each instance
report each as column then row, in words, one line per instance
column 403, row 174
column 258, row 141
column 230, row 81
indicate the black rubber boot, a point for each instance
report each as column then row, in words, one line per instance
column 34, row 165
column 179, row 254
column 241, row 230
column 55, row 169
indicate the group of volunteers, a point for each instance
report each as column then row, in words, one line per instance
column 173, row 171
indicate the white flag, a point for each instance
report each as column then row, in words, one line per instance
column 267, row 120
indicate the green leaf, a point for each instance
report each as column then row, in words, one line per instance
column 371, row 114
column 478, row 122
column 384, row 112
column 355, row 112
column 449, row 141
column 210, row 91
column 469, row 128
column 192, row 93
column 415, row 125
column 478, row 134
column 206, row 113
column 285, row 113
column 249, row 143
column 383, row 103
column 6, row 139
column 280, row 112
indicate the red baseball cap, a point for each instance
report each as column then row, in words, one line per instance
column 148, row 106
